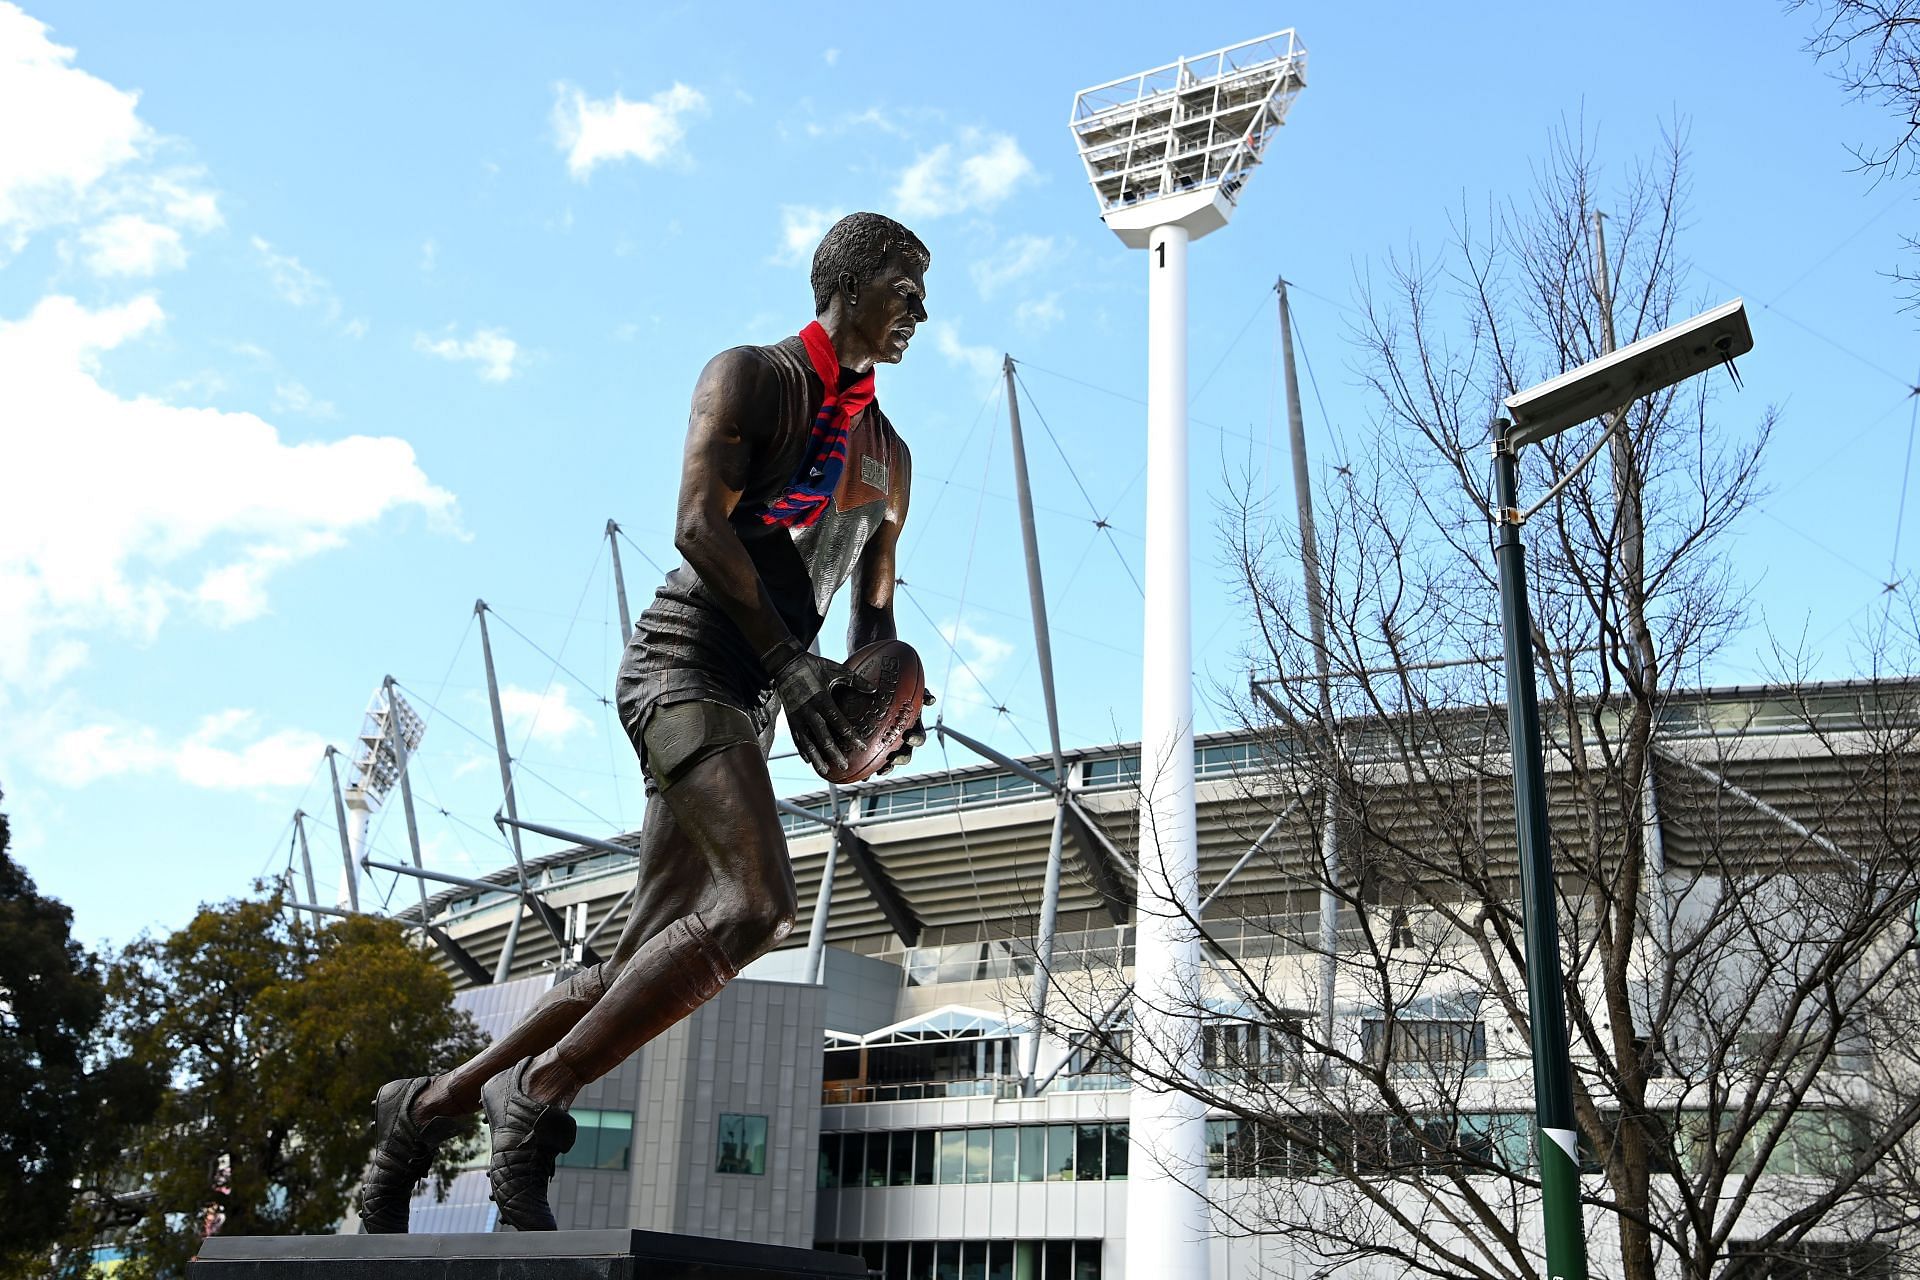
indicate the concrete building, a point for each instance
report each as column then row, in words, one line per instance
column 883, row 1105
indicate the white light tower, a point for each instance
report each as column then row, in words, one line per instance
column 375, row 767
column 1168, row 152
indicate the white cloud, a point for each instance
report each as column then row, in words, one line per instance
column 73, row 147
column 295, row 282
column 429, row 254
column 832, row 56
column 65, row 130
column 188, row 206
column 210, row 757
column 114, row 511
column 1039, row 314
column 292, row 397
column 985, row 362
column 474, row 763
column 982, row 655
column 197, row 387
column 129, row 245
column 547, row 718
column 801, row 228
column 978, row 172
column 593, row 131
column 491, row 349
column 1020, row 256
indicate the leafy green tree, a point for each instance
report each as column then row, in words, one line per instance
column 276, row 1037
column 66, row 1110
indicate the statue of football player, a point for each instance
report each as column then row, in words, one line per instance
column 793, row 482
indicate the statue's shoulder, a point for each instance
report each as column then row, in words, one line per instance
column 758, row 375
column 747, row 359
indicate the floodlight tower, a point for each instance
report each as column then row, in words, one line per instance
column 1168, row 152
column 375, row 767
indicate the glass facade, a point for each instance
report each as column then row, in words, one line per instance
column 990, row 788
column 742, row 1145
column 976, row 1259
column 977, row 1154
column 602, row 1141
column 1447, row 1046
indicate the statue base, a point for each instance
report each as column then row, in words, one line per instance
column 512, row 1255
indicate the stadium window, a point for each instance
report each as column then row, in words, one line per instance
column 601, row 1140
column 1004, row 1141
column 1033, row 1154
column 953, row 1159
column 1814, row 1260
column 979, row 1155
column 1060, row 1153
column 1217, row 1147
column 1252, row 1051
column 742, row 1144
column 873, row 1171
column 923, row 1157
column 1449, row 1044
column 900, row 1160
column 1116, row 1153
column 829, row 1161
column 1090, row 1150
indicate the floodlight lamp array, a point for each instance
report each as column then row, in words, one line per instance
column 376, row 767
column 1197, row 126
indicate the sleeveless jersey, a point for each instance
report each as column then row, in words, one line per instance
column 686, row 643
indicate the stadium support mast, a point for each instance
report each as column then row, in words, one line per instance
column 349, row 878
column 619, row 581
column 1168, row 152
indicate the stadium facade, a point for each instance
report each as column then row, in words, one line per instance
column 884, row 1103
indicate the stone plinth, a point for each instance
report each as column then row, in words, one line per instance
column 509, row 1255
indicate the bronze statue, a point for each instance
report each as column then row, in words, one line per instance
column 793, row 482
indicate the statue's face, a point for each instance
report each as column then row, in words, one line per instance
column 889, row 307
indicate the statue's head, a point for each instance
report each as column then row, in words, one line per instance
column 870, row 274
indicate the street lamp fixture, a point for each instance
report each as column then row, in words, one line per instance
column 1621, row 377
column 1598, row 387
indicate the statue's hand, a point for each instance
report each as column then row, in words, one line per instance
column 806, row 682
column 916, row 736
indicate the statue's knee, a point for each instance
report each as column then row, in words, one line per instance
column 749, row 923
column 774, row 924
column 583, row 990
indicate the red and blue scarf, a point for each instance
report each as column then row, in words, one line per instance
column 825, row 458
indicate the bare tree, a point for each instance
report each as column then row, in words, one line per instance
column 1873, row 47
column 1739, row 963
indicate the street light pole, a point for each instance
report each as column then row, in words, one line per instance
column 1555, row 1133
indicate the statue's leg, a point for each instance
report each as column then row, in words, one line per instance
column 660, row 900
column 413, row 1117
column 742, row 882
column 712, row 775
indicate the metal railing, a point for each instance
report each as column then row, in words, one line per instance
column 922, row 1091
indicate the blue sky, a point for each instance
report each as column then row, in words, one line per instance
column 315, row 328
